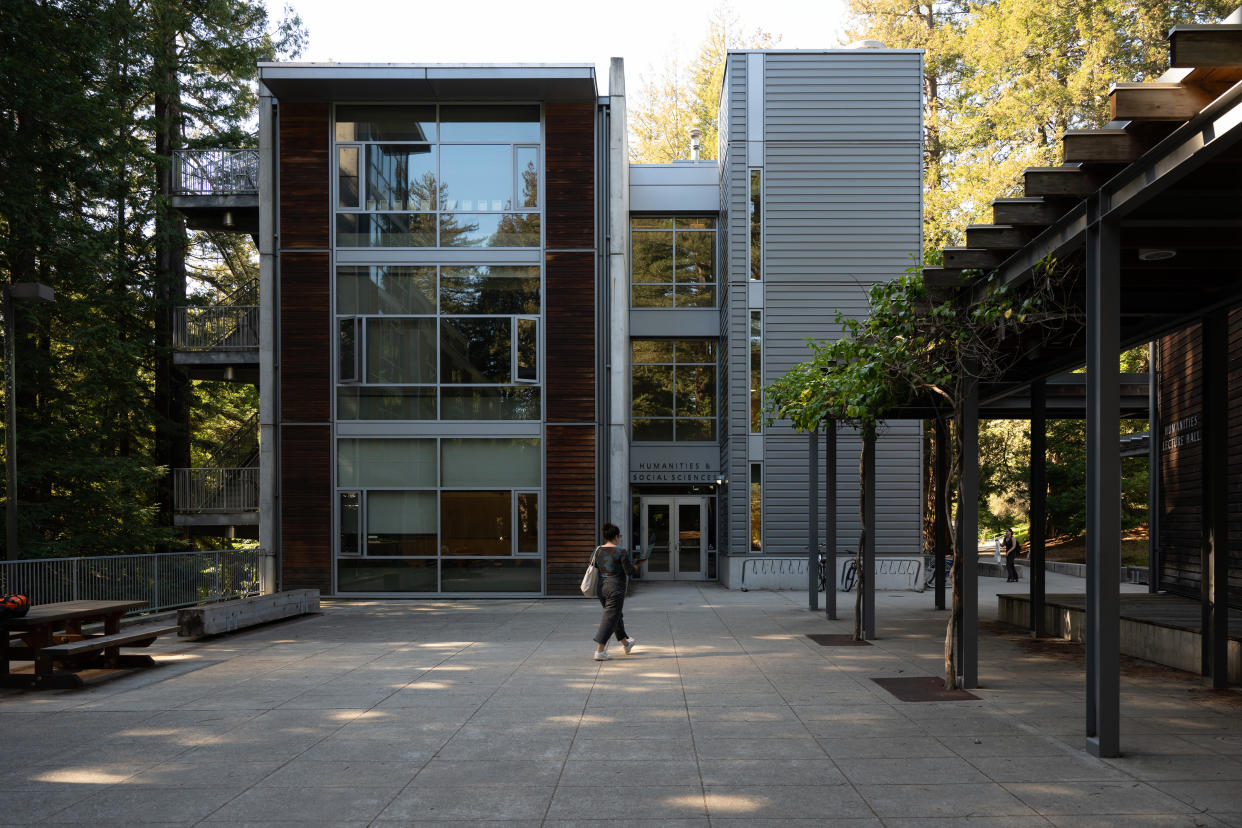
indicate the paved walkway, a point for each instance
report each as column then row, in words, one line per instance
column 439, row 712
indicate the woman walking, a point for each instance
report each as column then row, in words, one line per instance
column 1010, row 547
column 615, row 568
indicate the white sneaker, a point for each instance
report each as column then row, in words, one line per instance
column 602, row 655
column 629, row 645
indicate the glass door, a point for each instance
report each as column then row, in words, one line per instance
column 673, row 534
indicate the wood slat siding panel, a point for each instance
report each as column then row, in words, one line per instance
column 569, row 289
column 306, row 507
column 569, row 132
column 571, row 519
column 1181, row 530
column 305, row 175
column 305, row 357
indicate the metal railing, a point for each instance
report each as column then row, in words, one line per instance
column 164, row 581
column 217, row 328
column 216, row 172
column 206, row 490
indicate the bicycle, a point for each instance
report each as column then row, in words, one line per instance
column 849, row 575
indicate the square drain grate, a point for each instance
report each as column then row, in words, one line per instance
column 922, row 689
column 831, row 640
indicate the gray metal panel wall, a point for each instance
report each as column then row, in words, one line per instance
column 899, row 507
column 842, row 211
column 734, row 311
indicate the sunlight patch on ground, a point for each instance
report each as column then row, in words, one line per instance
column 80, row 776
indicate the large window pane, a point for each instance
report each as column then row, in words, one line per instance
column 528, row 523
column 371, row 575
column 756, row 371
column 490, row 576
column 653, row 350
column 401, row 177
column 652, row 257
column 385, row 289
column 696, row 391
column 401, row 523
column 477, row 178
column 475, row 350
column 402, row 462
column 528, row 176
column 490, row 462
column 385, row 123
column 347, row 350
column 385, row 402
column 489, row 230
column 489, row 290
column 401, row 350
column 476, row 523
column 385, row 230
column 652, row 391
column 696, row 350
column 691, row 430
column 472, row 402
column 528, row 350
column 349, row 523
column 517, row 124
column 647, row 430
column 653, row 296
column 347, row 177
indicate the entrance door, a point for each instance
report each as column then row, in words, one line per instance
column 674, row 535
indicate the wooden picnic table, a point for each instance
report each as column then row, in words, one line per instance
column 51, row 633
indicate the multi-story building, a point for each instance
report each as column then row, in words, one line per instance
column 484, row 332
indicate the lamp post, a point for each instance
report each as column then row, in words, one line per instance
column 18, row 291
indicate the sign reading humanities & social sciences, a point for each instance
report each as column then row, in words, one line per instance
column 687, row 464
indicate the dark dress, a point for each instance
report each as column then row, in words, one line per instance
column 615, row 568
column 1010, row 545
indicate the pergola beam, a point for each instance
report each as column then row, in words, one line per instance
column 1101, row 146
column 1154, row 101
column 995, row 237
column 1213, row 46
column 1026, row 212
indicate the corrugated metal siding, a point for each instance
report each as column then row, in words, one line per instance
column 843, row 96
column 898, row 507
column 842, row 211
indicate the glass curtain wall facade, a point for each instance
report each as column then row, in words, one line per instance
column 431, row 337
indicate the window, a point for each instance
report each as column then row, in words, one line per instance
column 448, row 514
column 449, row 343
column 756, row 507
column 756, row 371
column 756, row 224
column 673, row 390
column 447, row 176
column 673, row 262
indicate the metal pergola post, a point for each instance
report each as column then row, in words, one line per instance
column 866, row 577
column 1215, row 564
column 812, row 523
column 1039, row 504
column 830, row 507
column 1103, row 327
column 940, row 508
column 1154, row 440
column 968, row 541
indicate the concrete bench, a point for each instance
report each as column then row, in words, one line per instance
column 105, row 648
column 230, row 616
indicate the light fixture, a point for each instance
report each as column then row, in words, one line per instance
column 1155, row 254
column 228, row 218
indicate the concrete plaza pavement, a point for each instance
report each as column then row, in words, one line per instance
column 491, row 711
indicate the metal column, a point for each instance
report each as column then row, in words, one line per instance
column 866, row 577
column 1039, row 504
column 1103, row 325
column 1154, row 440
column 830, row 507
column 812, row 522
column 1215, row 584
column 940, row 507
column 968, row 541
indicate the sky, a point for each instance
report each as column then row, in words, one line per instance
column 647, row 33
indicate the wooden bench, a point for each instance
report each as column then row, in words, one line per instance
column 230, row 616
column 106, row 647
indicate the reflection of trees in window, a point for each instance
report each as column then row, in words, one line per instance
column 489, row 290
column 673, row 390
column 475, row 350
column 673, row 262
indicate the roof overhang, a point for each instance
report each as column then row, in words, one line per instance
column 428, row 82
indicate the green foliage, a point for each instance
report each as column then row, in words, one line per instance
column 80, row 204
column 676, row 97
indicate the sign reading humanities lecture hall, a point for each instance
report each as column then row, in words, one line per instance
column 692, row 465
